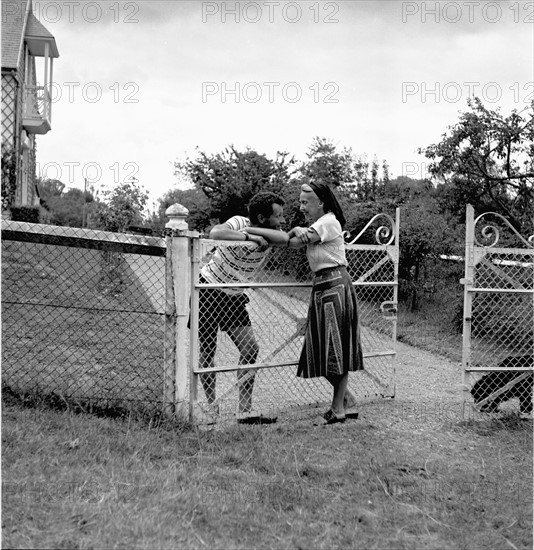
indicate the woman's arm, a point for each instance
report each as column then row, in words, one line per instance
column 301, row 236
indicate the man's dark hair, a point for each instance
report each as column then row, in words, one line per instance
column 262, row 203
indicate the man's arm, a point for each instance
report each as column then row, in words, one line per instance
column 275, row 237
column 223, row 232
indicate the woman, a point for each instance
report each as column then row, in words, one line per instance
column 332, row 346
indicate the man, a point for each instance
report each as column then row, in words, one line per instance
column 225, row 308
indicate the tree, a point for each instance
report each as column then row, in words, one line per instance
column 49, row 190
column 65, row 208
column 349, row 173
column 123, row 206
column 328, row 164
column 487, row 159
column 230, row 179
column 194, row 200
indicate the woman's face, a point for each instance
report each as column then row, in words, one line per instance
column 310, row 204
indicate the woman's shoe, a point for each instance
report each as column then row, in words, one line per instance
column 332, row 418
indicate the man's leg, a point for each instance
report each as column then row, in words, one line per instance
column 243, row 338
column 208, row 327
column 206, row 355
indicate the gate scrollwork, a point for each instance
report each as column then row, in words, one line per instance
column 384, row 234
column 491, row 234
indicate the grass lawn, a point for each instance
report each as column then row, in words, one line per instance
column 388, row 480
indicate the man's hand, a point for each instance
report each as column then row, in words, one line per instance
column 260, row 241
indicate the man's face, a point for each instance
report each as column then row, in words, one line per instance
column 275, row 220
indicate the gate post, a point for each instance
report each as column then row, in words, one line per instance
column 467, row 281
column 177, row 296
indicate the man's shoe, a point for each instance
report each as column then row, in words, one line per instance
column 247, row 418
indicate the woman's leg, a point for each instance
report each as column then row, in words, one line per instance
column 339, row 383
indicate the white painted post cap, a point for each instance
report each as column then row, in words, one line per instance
column 177, row 214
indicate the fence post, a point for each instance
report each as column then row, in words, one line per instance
column 169, row 350
column 179, row 290
column 467, row 281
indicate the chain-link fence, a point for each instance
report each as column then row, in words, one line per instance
column 100, row 318
column 83, row 315
column 498, row 315
column 251, row 370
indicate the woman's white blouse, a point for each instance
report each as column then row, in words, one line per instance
column 330, row 250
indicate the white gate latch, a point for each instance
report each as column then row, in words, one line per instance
column 389, row 309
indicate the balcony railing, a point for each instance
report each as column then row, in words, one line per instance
column 37, row 110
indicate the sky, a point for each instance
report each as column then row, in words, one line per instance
column 141, row 85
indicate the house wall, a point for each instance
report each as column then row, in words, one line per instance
column 10, row 93
column 12, row 108
column 28, row 193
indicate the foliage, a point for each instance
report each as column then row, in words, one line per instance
column 123, row 206
column 346, row 171
column 487, row 159
column 195, row 200
column 49, row 189
column 66, row 208
column 9, row 176
column 230, row 179
column 112, row 273
column 328, row 164
column 505, row 319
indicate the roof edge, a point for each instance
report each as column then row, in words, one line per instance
column 29, row 10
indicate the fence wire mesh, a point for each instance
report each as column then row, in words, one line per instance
column 275, row 297
column 83, row 324
column 502, row 323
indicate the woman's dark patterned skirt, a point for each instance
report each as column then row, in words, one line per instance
column 332, row 344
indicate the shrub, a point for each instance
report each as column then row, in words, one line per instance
column 30, row 214
column 9, row 176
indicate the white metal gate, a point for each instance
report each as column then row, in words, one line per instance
column 498, row 333
column 279, row 295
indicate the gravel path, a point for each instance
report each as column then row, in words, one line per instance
column 423, row 377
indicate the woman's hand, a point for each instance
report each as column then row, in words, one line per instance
column 301, row 233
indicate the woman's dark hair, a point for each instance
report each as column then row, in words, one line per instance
column 327, row 197
column 262, row 203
